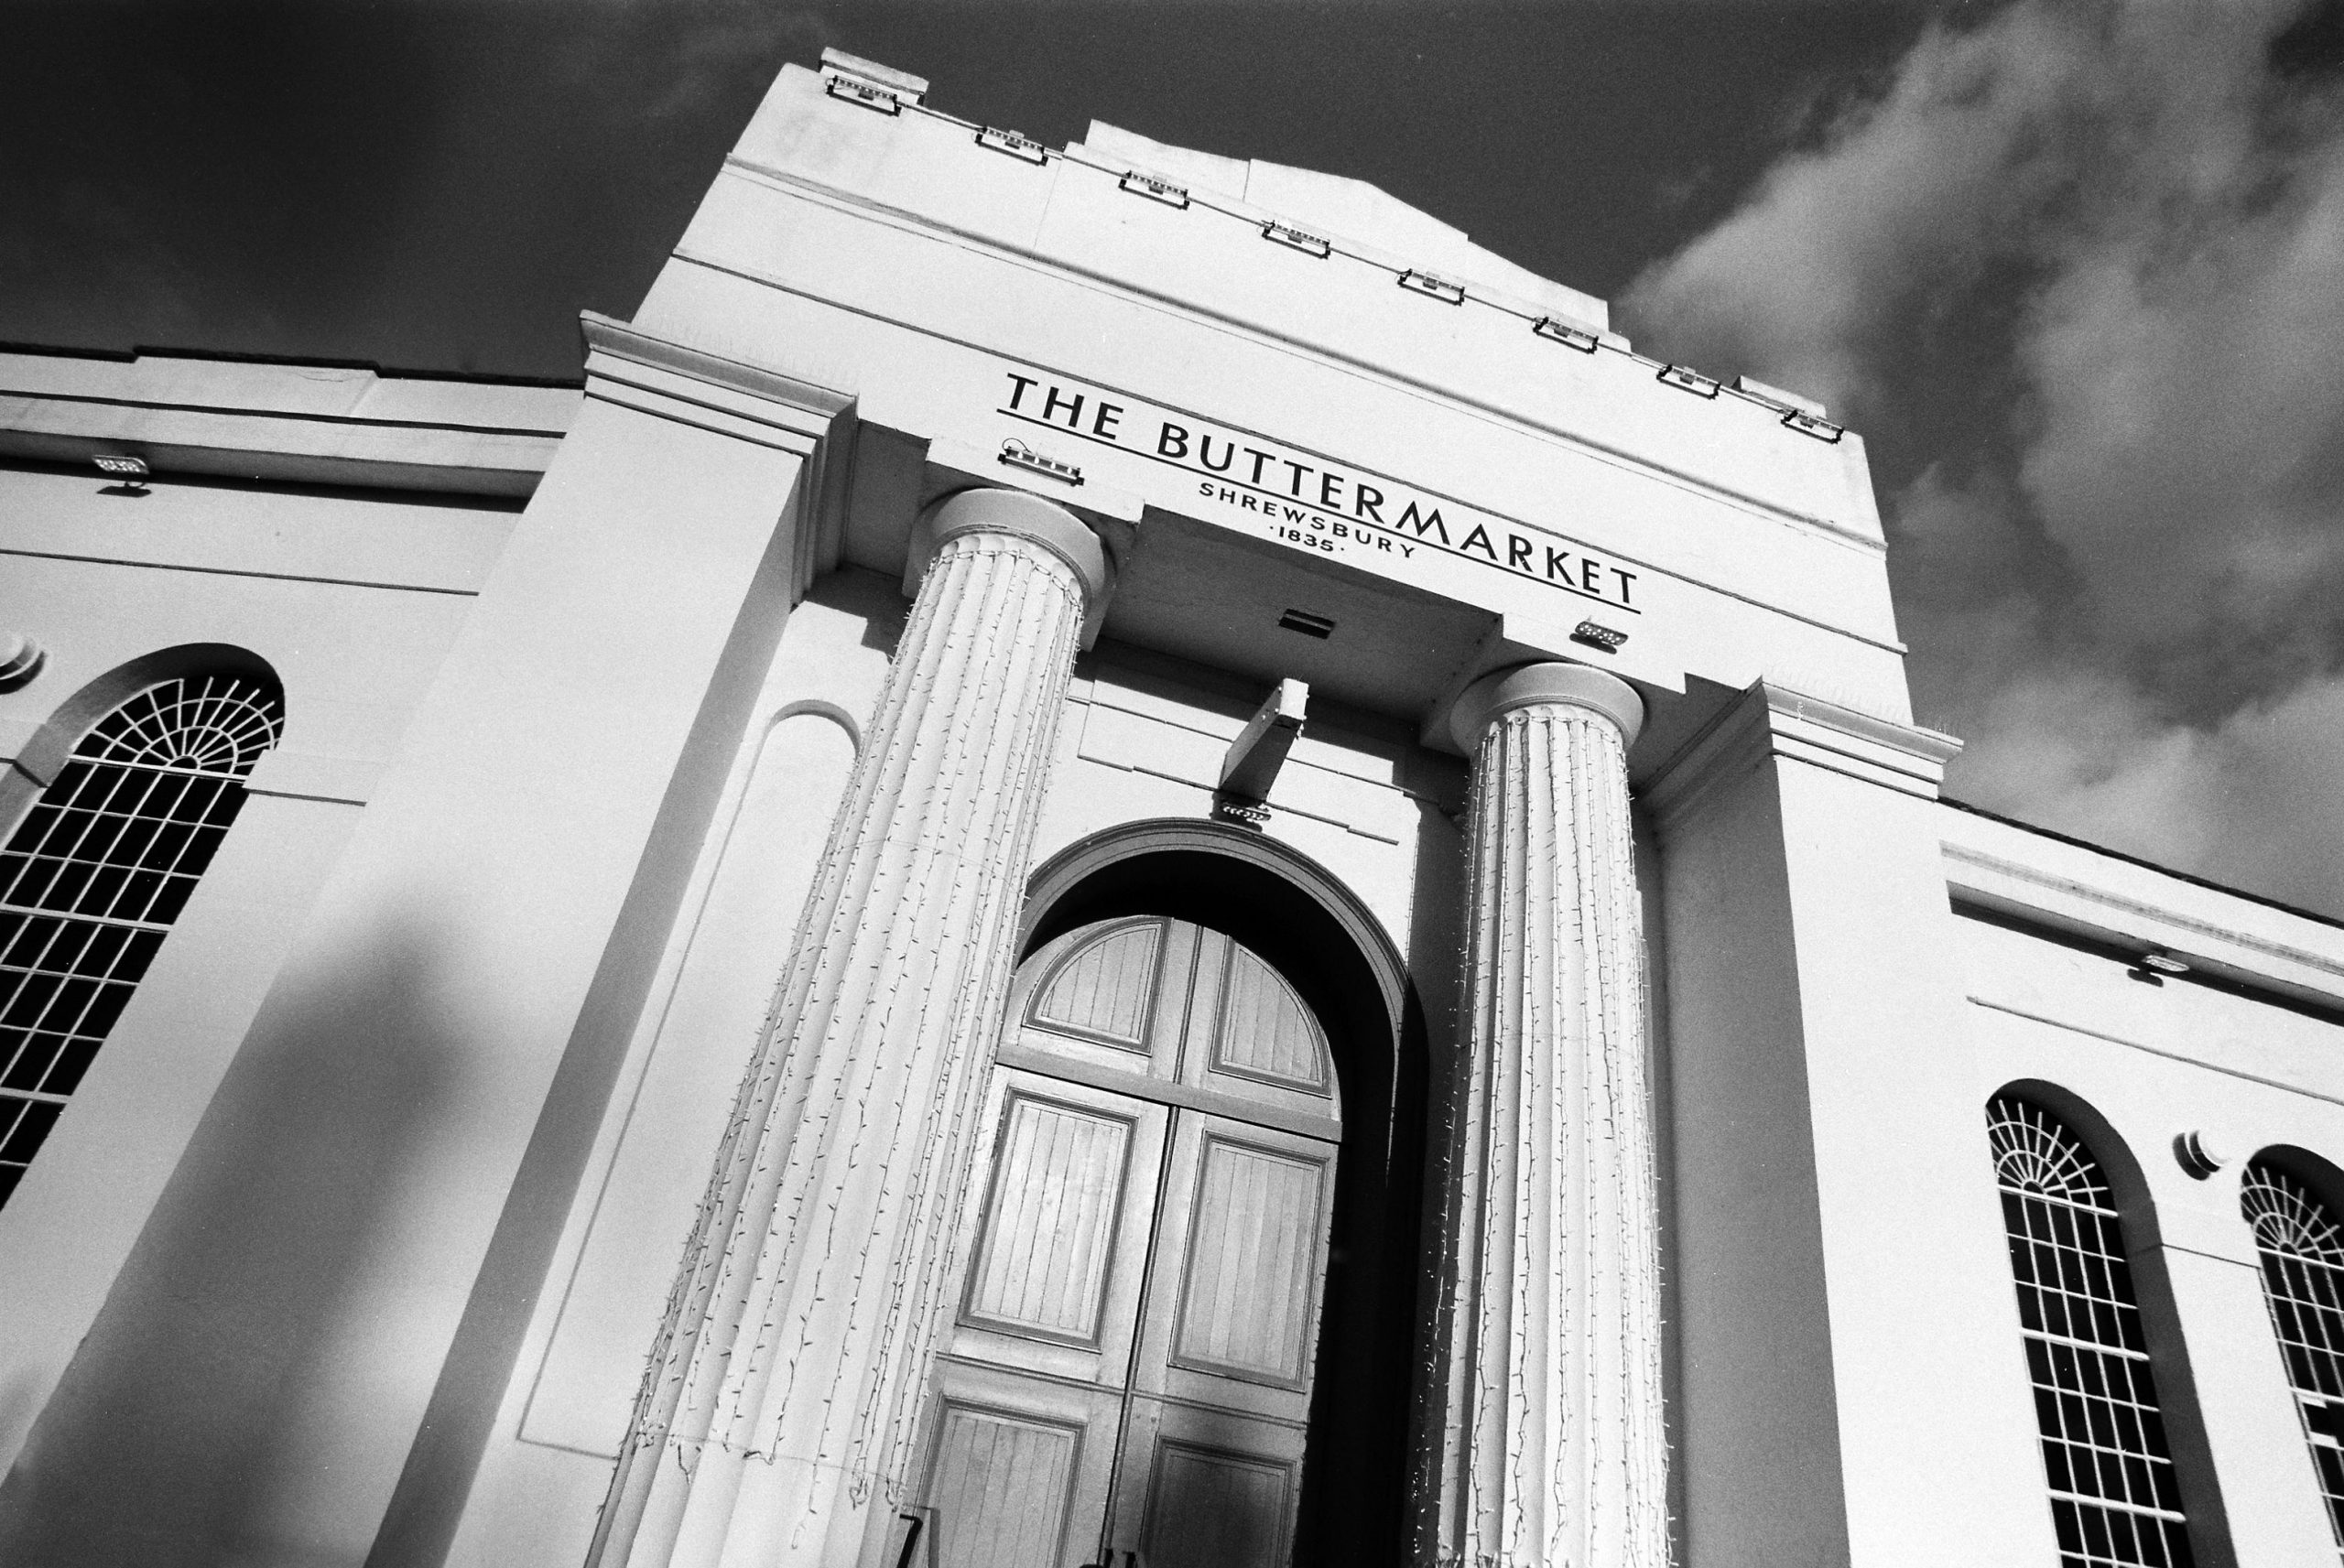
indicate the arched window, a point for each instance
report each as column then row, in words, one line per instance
column 2303, row 1283
column 2115, row 1498
column 103, row 863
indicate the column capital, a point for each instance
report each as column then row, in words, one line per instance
column 992, row 510
column 1524, row 686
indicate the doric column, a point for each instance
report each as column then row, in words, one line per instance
column 776, row 1417
column 1540, row 1442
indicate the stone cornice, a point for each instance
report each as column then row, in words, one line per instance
column 1772, row 721
column 729, row 396
column 2004, row 870
column 667, row 379
column 339, row 424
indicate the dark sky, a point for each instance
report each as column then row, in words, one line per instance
column 2075, row 268
column 444, row 187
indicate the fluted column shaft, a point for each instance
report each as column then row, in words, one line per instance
column 777, row 1411
column 1540, row 1439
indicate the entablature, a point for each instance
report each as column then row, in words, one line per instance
column 302, row 424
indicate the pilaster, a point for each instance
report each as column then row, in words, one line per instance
column 1541, row 1439
column 653, row 375
column 775, row 1419
column 328, row 1289
column 1845, row 1318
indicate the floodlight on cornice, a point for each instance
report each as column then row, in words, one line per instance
column 1687, row 379
column 1298, row 239
column 1017, row 454
column 876, row 87
column 1598, row 636
column 1563, row 333
column 1014, row 144
column 1155, row 189
column 868, row 94
column 1438, row 288
column 1807, row 424
column 130, row 471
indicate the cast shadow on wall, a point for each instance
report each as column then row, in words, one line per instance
column 185, row 1401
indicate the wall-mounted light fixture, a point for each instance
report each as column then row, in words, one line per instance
column 1017, row 454
column 1563, row 333
column 1596, row 637
column 867, row 82
column 131, row 471
column 1012, row 144
column 2201, row 1153
column 20, row 660
column 1298, row 239
column 1438, row 288
column 1687, row 379
column 1155, row 189
column 868, row 94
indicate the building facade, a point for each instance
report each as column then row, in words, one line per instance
column 1112, row 856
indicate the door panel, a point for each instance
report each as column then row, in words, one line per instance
column 1019, row 1468
column 1104, row 991
column 1263, row 1033
column 1209, row 1509
column 1057, row 1190
column 1117, row 1000
column 1232, row 1313
column 1060, row 1234
column 1252, row 1262
column 1143, row 1253
column 1202, row 1485
column 1003, row 1486
column 1249, row 1036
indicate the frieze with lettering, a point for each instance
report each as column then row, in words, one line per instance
column 1305, row 500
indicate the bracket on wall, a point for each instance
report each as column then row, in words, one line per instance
column 1259, row 751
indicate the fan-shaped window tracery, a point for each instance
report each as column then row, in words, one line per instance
column 101, row 866
column 2115, row 1498
column 2302, row 1248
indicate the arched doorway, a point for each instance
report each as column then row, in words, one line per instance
column 1130, row 1361
column 1320, row 942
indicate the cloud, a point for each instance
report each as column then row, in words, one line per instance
column 2252, row 798
column 2078, row 272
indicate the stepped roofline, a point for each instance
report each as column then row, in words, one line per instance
column 1342, row 208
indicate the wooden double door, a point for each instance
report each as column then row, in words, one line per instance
column 1128, row 1372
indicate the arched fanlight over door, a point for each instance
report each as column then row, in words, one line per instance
column 101, row 866
column 1130, row 1366
column 2115, row 1497
column 2302, row 1248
